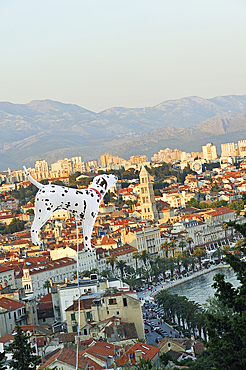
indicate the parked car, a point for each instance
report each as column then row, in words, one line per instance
column 158, row 339
column 146, row 330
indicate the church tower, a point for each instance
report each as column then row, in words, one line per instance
column 26, row 280
column 147, row 198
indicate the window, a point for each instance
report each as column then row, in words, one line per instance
column 117, row 312
column 73, row 316
column 9, row 315
column 124, row 302
column 107, row 312
column 88, row 315
column 74, row 329
column 85, row 331
column 112, row 301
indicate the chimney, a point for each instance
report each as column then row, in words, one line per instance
column 138, row 355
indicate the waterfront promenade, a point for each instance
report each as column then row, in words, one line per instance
column 194, row 275
column 165, row 286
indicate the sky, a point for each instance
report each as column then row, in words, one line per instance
column 132, row 53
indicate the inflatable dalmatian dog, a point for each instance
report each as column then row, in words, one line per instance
column 81, row 203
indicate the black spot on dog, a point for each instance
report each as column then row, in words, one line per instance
column 46, row 200
column 101, row 191
column 76, row 204
column 52, row 186
column 63, row 195
column 98, row 200
column 86, row 192
column 66, row 191
column 40, row 210
column 86, row 237
column 92, row 195
column 48, row 209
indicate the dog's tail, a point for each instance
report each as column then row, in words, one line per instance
column 30, row 178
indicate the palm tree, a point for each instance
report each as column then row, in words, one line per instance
column 136, row 256
column 155, row 268
column 164, row 266
column 121, row 265
column 171, row 265
column 129, row 270
column 178, row 256
column 225, row 227
column 165, row 246
column 111, row 260
column 173, row 246
column 189, row 240
column 47, row 285
column 199, row 253
column 144, row 256
column 182, row 245
column 218, row 252
column 106, row 273
column 185, row 260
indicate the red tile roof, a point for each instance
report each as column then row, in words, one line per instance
column 6, row 338
column 46, row 298
column 69, row 357
column 148, row 352
column 10, row 304
column 101, row 350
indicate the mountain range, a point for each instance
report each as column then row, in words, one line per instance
column 53, row 130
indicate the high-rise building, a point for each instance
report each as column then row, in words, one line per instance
column 41, row 166
column 209, row 152
column 108, row 159
column 147, row 198
column 227, row 150
column 138, row 159
column 242, row 148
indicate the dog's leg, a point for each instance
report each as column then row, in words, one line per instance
column 87, row 231
column 42, row 214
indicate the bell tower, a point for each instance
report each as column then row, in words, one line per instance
column 147, row 198
column 26, row 280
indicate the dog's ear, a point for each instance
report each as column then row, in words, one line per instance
column 102, row 182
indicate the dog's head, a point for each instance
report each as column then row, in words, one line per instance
column 103, row 183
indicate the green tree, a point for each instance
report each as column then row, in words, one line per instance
column 106, row 273
column 136, row 256
column 111, row 260
column 144, row 256
column 189, row 240
column 166, row 246
column 227, row 332
column 23, row 354
column 121, row 265
column 47, row 285
column 2, row 360
column 199, row 253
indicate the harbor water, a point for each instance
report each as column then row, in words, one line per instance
column 200, row 288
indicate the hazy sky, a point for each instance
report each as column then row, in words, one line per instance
column 133, row 53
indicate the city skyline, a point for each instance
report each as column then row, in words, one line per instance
column 121, row 53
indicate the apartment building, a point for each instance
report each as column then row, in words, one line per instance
column 99, row 307
column 143, row 238
column 209, row 152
